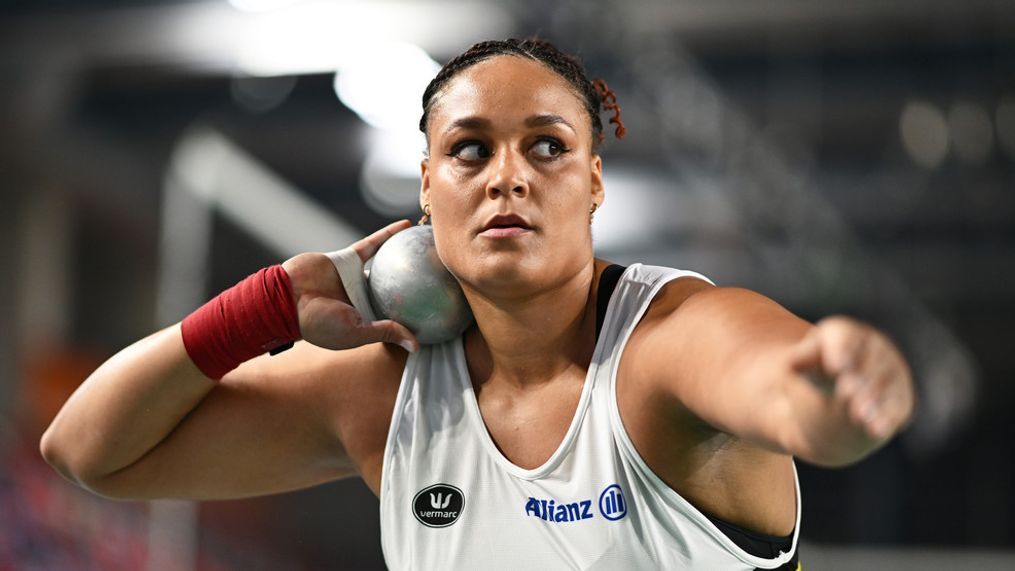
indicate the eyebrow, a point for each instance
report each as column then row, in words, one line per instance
column 543, row 120
column 548, row 119
column 468, row 123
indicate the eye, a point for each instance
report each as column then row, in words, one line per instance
column 469, row 151
column 549, row 148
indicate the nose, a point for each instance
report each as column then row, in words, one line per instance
column 508, row 175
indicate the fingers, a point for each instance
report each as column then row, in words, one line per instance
column 807, row 354
column 327, row 303
column 853, row 373
column 367, row 247
column 828, row 355
column 872, row 383
column 333, row 324
column 388, row 331
column 884, row 401
column 831, row 348
column 806, row 360
column 842, row 344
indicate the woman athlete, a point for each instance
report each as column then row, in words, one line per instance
column 593, row 417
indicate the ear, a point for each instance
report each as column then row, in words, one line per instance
column 424, row 183
column 598, row 191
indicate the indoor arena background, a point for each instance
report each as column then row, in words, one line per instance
column 840, row 157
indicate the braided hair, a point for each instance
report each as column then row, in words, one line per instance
column 595, row 94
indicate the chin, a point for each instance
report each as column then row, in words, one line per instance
column 511, row 277
column 501, row 273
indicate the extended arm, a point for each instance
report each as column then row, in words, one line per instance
column 829, row 393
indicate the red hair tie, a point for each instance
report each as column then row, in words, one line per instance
column 609, row 101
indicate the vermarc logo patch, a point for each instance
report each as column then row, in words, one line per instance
column 439, row 505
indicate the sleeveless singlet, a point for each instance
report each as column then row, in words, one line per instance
column 450, row 500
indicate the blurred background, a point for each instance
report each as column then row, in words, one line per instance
column 840, row 157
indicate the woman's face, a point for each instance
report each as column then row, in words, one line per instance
column 509, row 138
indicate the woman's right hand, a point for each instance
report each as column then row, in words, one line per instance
column 327, row 317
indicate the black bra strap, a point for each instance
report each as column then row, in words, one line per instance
column 607, row 283
column 757, row 544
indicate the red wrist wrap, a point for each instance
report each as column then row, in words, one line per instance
column 254, row 316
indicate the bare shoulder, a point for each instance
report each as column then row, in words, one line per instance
column 689, row 306
column 672, row 297
column 695, row 337
column 652, row 343
column 352, row 392
column 692, row 326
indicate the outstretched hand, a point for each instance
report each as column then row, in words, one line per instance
column 862, row 371
column 327, row 318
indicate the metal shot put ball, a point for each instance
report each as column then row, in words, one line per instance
column 409, row 284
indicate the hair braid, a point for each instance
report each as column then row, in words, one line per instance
column 609, row 102
column 596, row 95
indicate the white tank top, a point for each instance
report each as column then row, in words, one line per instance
column 450, row 500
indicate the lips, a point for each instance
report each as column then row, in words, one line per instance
column 506, row 221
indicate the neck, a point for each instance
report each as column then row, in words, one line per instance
column 530, row 341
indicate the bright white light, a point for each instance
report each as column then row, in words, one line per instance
column 390, row 176
column 924, row 133
column 971, row 131
column 643, row 203
column 322, row 37
column 259, row 5
column 306, row 38
column 384, row 83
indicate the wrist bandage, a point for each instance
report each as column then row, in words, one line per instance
column 255, row 316
column 350, row 270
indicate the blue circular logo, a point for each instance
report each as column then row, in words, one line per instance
column 612, row 504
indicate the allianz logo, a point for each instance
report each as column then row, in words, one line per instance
column 612, row 506
column 547, row 510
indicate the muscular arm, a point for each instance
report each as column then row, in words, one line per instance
column 829, row 394
column 148, row 423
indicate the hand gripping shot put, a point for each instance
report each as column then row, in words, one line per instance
column 407, row 283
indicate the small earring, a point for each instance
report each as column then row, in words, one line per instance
column 426, row 215
column 592, row 211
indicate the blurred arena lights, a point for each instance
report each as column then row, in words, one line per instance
column 384, row 86
column 632, row 195
column 390, row 177
column 260, row 94
column 322, row 37
column 971, row 132
column 1005, row 121
column 301, row 39
column 924, row 133
column 260, row 5
column 384, row 83
column 650, row 199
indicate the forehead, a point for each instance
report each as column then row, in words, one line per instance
column 506, row 87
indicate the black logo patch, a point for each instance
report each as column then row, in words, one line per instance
column 439, row 505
